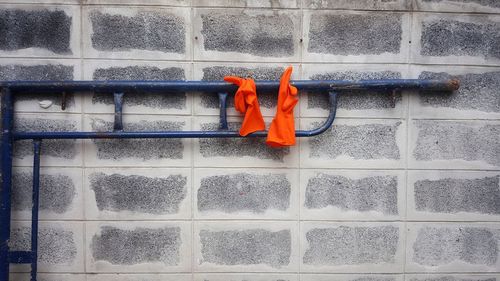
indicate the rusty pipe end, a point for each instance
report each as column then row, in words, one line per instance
column 454, row 84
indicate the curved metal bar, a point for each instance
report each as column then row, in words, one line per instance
column 332, row 98
column 179, row 134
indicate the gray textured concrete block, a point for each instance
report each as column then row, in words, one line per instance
column 366, row 141
column 245, row 277
column 355, row 34
column 136, row 72
column 350, row 277
column 56, row 245
column 37, row 72
column 147, row 30
column 180, row 3
column 244, row 192
column 358, row 4
column 264, row 35
column 150, row 276
column 45, row 29
column 217, row 73
column 436, row 245
column 375, row 193
column 231, row 147
column 175, row 100
column 345, row 245
column 283, row 4
column 139, row 245
column 355, row 100
column 477, row 92
column 480, row 6
column 450, row 37
column 136, row 193
column 374, row 278
column 57, row 192
column 246, row 247
column 457, row 140
column 453, row 195
column 453, row 278
column 66, row 149
column 48, row 277
column 476, row 6
column 489, row 3
column 144, row 148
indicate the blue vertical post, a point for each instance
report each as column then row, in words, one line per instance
column 223, row 111
column 6, row 158
column 118, row 99
column 34, row 208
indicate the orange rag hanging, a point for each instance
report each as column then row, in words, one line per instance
column 245, row 101
column 282, row 130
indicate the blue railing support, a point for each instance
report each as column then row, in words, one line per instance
column 118, row 100
column 63, row 101
column 34, row 208
column 222, row 111
column 5, row 192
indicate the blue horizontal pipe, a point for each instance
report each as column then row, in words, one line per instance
column 20, row 256
column 221, row 86
column 144, row 135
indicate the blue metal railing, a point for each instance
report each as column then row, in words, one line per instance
column 119, row 89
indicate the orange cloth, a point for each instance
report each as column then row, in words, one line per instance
column 282, row 130
column 245, row 101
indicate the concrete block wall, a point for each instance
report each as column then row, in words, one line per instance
column 396, row 190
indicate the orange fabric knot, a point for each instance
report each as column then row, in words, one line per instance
column 245, row 101
column 282, row 130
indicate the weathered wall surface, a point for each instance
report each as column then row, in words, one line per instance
column 406, row 191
